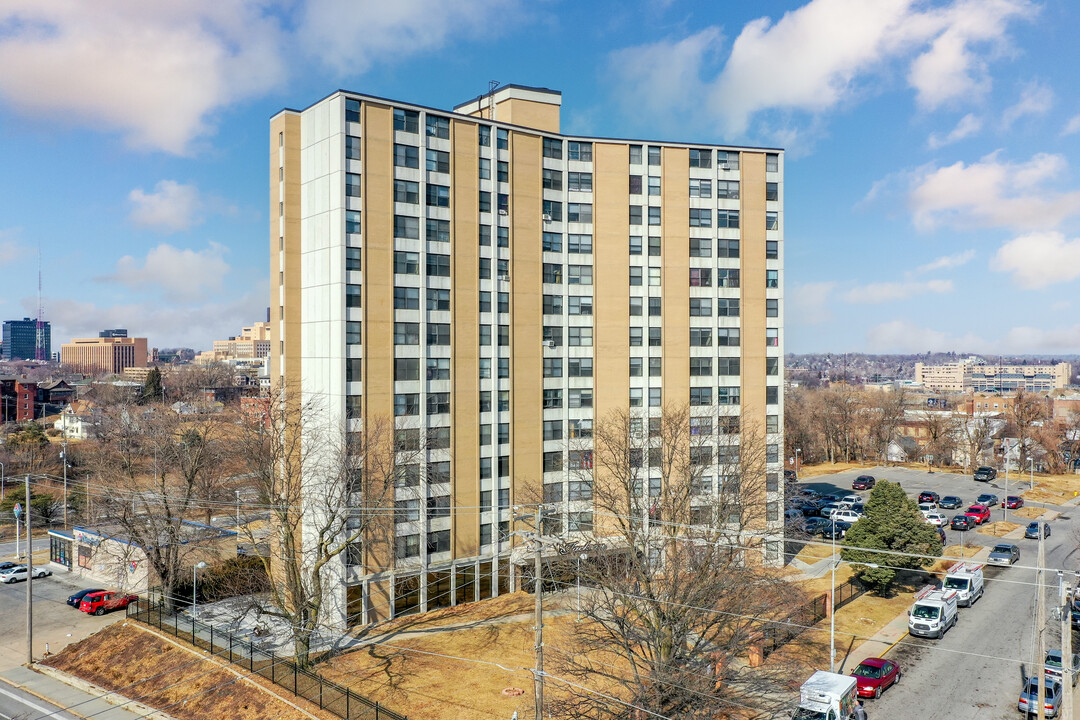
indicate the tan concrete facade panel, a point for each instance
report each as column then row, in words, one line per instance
column 285, row 143
column 377, row 259
column 465, row 343
column 526, row 295
column 611, row 278
column 675, row 280
column 537, row 115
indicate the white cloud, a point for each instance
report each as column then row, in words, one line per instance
column 153, row 71
column 10, row 247
column 183, row 275
column 817, row 57
column 991, row 193
column 951, row 68
column 807, row 304
column 1037, row 260
column 163, row 325
column 902, row 336
column 947, row 262
column 350, row 36
column 891, row 291
column 1038, row 340
column 968, row 126
column 1072, row 126
column 1035, row 99
column 170, row 208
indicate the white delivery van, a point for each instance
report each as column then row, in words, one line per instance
column 933, row 612
column 967, row 580
column 826, row 696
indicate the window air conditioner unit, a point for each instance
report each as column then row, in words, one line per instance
column 502, row 211
column 547, row 218
column 725, row 166
column 505, row 277
column 551, row 344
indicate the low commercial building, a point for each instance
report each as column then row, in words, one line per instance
column 106, row 556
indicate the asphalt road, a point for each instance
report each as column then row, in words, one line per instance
column 18, row 705
column 976, row 671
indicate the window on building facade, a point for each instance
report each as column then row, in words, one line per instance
column 406, row 120
column 406, row 227
column 406, row 156
column 579, row 151
column 438, row 127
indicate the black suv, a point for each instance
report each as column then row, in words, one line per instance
column 928, row 496
column 985, row 474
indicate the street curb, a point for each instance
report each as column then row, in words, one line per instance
column 39, row 696
column 897, row 642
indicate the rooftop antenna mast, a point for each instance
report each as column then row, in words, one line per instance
column 39, row 340
column 492, row 84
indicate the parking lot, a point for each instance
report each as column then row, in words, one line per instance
column 55, row 622
column 980, row 665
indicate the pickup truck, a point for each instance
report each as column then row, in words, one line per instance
column 100, row 603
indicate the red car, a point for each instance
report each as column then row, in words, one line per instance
column 99, row 603
column 1014, row 501
column 863, row 482
column 874, row 675
column 981, row 513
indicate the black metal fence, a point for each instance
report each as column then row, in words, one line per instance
column 775, row 635
column 281, row 671
column 847, row 592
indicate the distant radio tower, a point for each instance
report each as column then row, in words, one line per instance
column 39, row 343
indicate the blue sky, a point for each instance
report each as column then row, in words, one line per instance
column 932, row 179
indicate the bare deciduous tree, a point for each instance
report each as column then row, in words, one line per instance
column 326, row 492
column 973, row 435
column 884, row 413
column 679, row 589
column 1028, row 411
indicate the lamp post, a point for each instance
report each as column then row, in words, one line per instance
column 797, row 451
column 3, row 483
column 1031, row 464
column 63, row 456
column 582, row 556
column 194, row 580
column 237, row 511
column 832, row 599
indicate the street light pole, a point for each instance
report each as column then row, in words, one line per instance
column 1031, row 464
column 237, row 511
column 29, row 581
column 797, row 451
column 832, row 600
column 63, row 455
column 194, row 585
column 3, row 482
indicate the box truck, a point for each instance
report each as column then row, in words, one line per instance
column 826, row 696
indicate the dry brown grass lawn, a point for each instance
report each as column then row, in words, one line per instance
column 950, row 556
column 997, row 529
column 807, row 471
column 814, row 551
column 503, row 606
column 1029, row 512
column 423, row 677
column 144, row 667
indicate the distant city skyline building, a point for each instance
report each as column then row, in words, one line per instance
column 976, row 375
column 20, row 340
column 252, row 342
column 103, row 355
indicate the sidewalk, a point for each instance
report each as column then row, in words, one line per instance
column 81, row 698
column 887, row 637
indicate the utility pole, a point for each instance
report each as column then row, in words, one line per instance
column 538, row 674
column 29, row 581
column 1040, row 628
column 65, row 459
column 1067, row 668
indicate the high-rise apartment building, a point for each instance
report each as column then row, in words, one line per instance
column 496, row 287
column 976, row 375
column 103, row 355
column 21, row 339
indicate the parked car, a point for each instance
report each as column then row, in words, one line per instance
column 859, row 508
column 19, row 572
column 849, row 500
column 928, row 496
column 790, row 475
column 985, row 474
column 811, row 508
column 1032, row 530
column 848, row 516
column 981, row 513
column 925, row 508
column 1014, row 502
column 813, row 525
column 863, row 482
column 950, row 502
column 1004, row 554
column 962, row 522
column 74, row 600
column 7, row 566
column 1029, row 696
column 835, row 530
column 100, row 603
column 875, row 675
column 988, row 499
column 1075, row 614
column 828, row 509
column 793, row 515
column 1052, row 665
column 832, row 497
column 936, row 519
